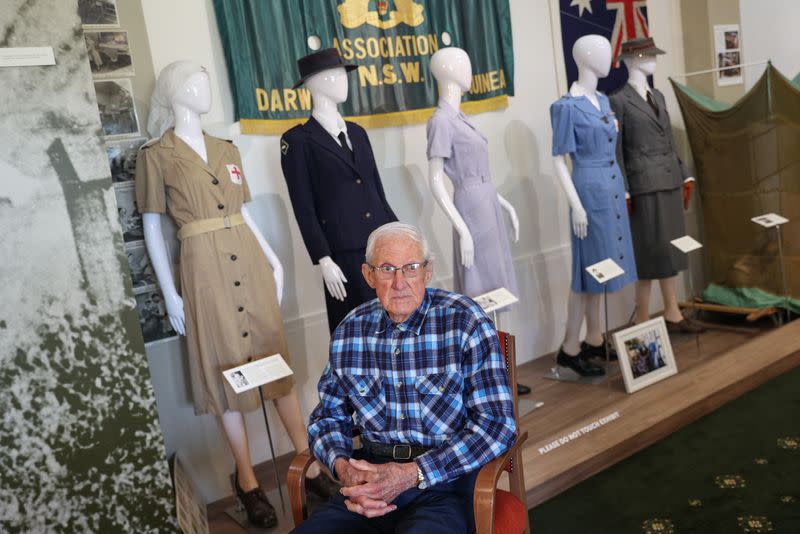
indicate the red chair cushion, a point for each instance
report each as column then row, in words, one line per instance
column 509, row 514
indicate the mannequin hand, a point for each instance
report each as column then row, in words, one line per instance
column 467, row 248
column 334, row 278
column 580, row 222
column 688, row 189
column 176, row 313
column 512, row 214
column 278, row 275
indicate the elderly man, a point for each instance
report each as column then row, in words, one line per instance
column 419, row 372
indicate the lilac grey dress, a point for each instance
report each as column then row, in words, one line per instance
column 466, row 161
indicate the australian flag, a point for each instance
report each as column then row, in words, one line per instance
column 616, row 20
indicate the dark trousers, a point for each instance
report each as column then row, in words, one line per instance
column 358, row 291
column 443, row 509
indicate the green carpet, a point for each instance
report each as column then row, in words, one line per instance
column 736, row 470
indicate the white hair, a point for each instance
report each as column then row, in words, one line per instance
column 396, row 229
column 169, row 82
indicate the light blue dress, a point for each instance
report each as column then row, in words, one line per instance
column 589, row 136
column 466, row 161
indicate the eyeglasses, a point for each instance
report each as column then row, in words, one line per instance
column 409, row 270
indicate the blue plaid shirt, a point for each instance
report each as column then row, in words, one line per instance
column 437, row 380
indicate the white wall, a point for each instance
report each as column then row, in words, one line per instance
column 520, row 139
column 769, row 31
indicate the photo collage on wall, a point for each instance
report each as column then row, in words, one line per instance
column 113, row 70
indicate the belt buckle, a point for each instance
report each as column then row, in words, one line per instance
column 226, row 221
column 394, row 452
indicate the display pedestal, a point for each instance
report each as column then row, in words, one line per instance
column 773, row 220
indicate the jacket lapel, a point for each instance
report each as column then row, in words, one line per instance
column 640, row 103
column 324, row 139
column 183, row 151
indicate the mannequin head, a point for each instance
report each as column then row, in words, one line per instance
column 593, row 53
column 180, row 85
column 644, row 64
column 329, row 84
column 452, row 64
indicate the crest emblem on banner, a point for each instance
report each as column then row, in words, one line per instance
column 355, row 13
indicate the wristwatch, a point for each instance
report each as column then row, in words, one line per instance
column 421, row 484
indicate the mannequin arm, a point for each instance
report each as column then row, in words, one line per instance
column 157, row 249
column 334, row 278
column 512, row 213
column 436, row 176
column 580, row 222
column 272, row 258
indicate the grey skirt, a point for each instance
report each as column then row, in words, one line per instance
column 657, row 219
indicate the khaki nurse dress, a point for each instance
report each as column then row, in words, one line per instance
column 227, row 285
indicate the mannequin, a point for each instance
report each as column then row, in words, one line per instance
column 336, row 191
column 654, row 182
column 182, row 95
column 453, row 71
column 596, row 197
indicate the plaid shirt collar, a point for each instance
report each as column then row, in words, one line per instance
column 412, row 324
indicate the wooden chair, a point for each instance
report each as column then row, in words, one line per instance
column 496, row 511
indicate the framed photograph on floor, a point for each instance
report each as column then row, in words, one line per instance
column 645, row 354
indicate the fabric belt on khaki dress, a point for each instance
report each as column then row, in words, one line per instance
column 203, row 226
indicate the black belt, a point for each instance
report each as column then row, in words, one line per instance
column 400, row 451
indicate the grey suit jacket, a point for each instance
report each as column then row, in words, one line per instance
column 645, row 147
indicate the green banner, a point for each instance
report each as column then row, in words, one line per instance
column 391, row 41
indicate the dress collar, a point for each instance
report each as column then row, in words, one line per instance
column 332, row 126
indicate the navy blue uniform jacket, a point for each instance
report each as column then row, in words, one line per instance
column 337, row 201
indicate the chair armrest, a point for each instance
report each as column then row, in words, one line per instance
column 486, row 484
column 295, row 481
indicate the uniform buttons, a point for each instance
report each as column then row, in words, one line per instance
column 613, row 176
column 358, row 181
column 616, row 196
column 221, row 206
column 621, row 257
column 322, row 221
column 244, row 334
column 368, row 215
column 240, row 308
column 618, row 215
column 619, row 238
column 215, row 181
column 610, row 163
column 237, row 283
column 233, row 257
column 610, row 139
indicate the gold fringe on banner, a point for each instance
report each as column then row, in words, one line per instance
column 382, row 120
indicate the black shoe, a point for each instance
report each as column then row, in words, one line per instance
column 522, row 389
column 579, row 364
column 597, row 351
column 259, row 510
column 684, row 326
column 322, row 486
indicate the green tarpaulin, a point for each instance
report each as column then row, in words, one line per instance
column 747, row 159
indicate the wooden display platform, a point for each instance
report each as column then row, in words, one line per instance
column 713, row 368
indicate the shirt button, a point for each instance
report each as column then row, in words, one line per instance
column 402, row 416
column 237, row 283
column 397, row 352
column 233, row 257
column 441, row 388
column 215, row 181
column 368, row 215
column 362, row 390
column 399, row 384
column 240, row 308
column 221, row 206
column 244, row 334
column 358, row 180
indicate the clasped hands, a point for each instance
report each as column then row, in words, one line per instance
column 369, row 489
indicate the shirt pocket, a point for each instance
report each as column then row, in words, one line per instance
column 441, row 402
column 368, row 399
